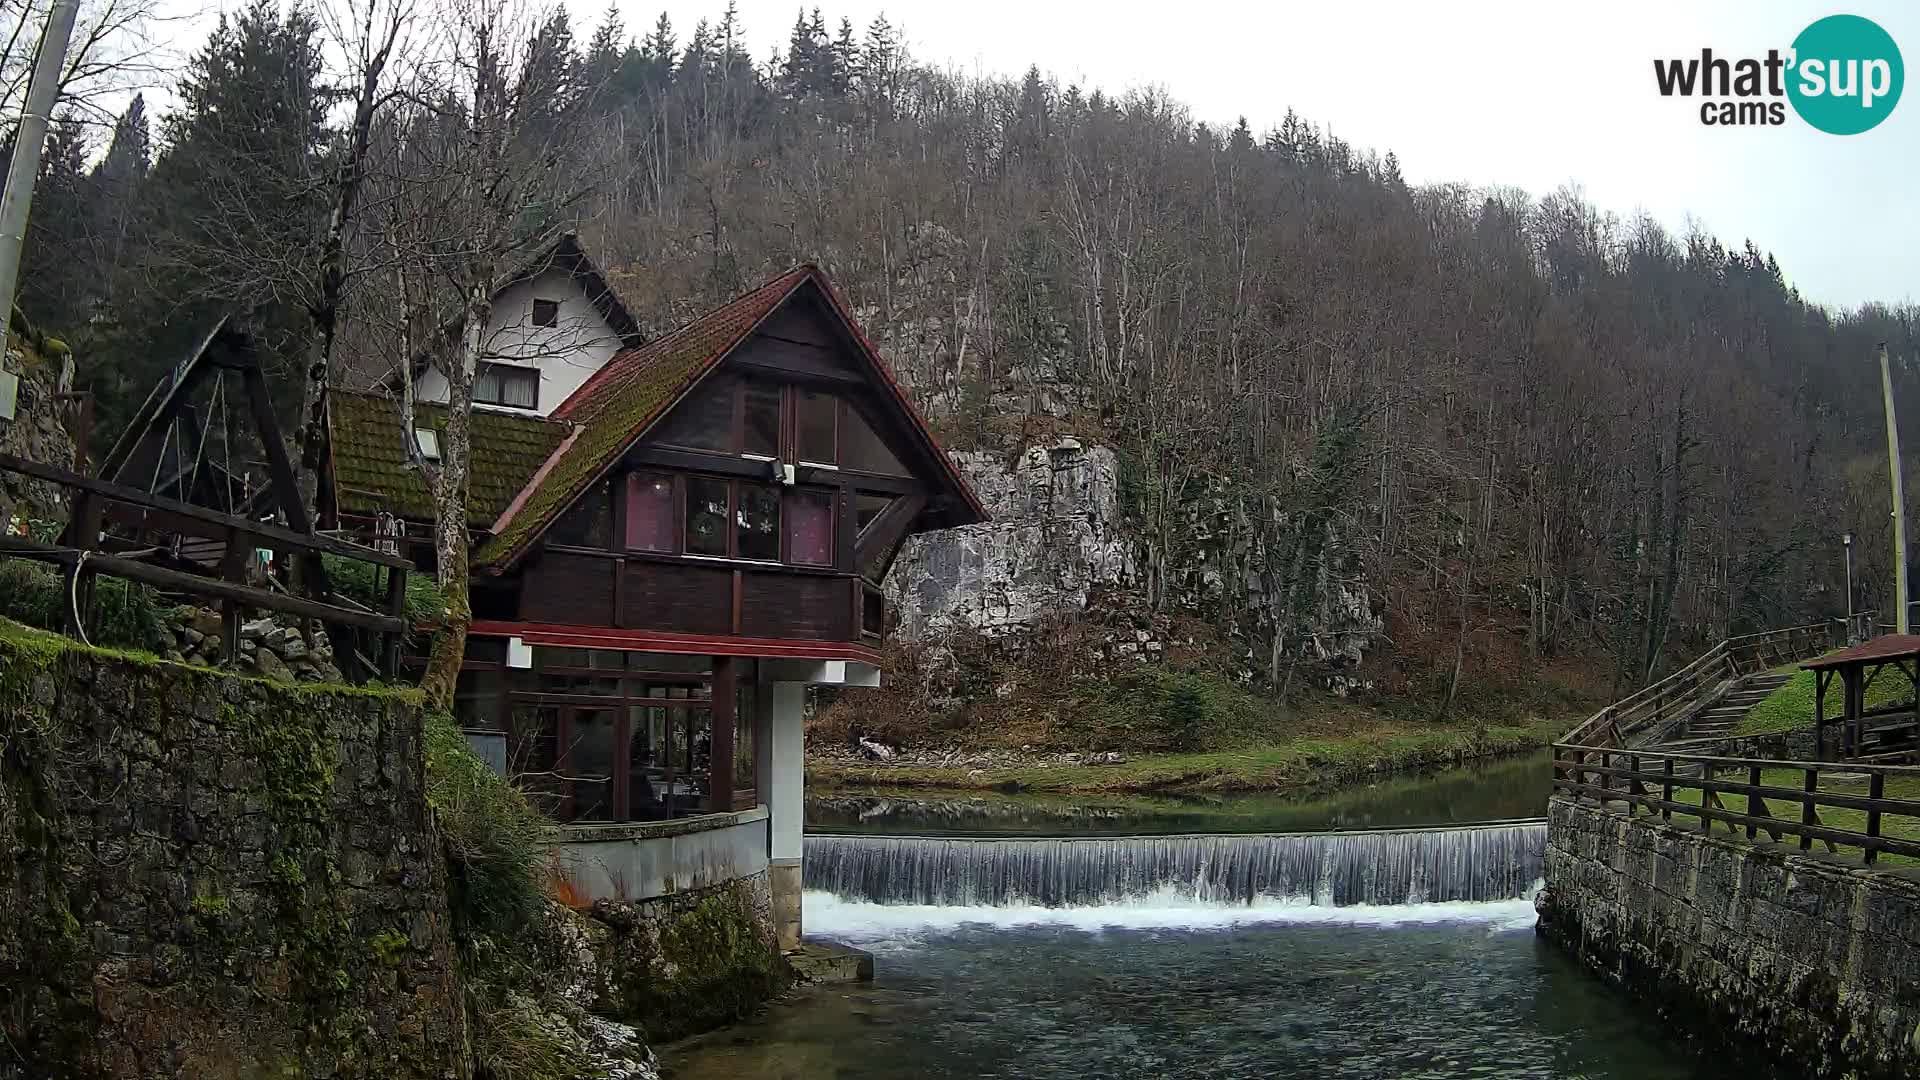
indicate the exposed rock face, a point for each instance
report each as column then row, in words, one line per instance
column 693, row 960
column 37, row 434
column 1059, row 544
column 1054, row 539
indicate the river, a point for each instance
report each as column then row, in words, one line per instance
column 1194, row 952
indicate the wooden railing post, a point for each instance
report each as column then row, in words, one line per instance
column 1876, row 790
column 1666, row 790
column 1808, row 815
column 1755, row 805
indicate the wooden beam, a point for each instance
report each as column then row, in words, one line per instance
column 133, row 496
column 286, row 491
column 247, row 595
column 885, row 532
column 722, row 715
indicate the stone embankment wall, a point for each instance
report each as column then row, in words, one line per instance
column 210, row 876
column 1804, row 959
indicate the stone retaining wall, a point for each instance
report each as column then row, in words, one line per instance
column 1805, row 959
column 210, row 876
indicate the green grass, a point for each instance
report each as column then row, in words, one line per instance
column 1791, row 706
column 1891, row 825
column 1303, row 764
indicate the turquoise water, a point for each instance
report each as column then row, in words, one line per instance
column 1429, row 990
column 1202, row 956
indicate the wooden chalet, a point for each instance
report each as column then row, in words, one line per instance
column 694, row 533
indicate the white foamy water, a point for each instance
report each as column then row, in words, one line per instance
column 864, row 923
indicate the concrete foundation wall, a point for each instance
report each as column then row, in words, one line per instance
column 1802, row 958
column 643, row 860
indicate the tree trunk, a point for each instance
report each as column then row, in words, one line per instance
column 325, row 311
column 450, row 523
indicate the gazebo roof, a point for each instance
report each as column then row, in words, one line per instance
column 1881, row 650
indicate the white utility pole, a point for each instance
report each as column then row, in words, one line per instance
column 28, row 140
column 1899, row 502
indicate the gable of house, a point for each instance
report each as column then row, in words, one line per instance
column 794, row 326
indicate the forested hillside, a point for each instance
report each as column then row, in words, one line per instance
column 1521, row 428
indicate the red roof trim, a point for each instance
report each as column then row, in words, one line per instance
column 560, row 635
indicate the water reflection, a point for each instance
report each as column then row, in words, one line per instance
column 1496, row 791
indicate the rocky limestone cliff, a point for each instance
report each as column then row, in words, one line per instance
column 1054, row 539
column 1060, row 544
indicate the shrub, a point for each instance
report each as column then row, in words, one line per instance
column 365, row 583
column 125, row 615
column 496, row 842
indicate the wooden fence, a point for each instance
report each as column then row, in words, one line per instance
column 1838, row 805
column 1674, row 699
column 88, row 551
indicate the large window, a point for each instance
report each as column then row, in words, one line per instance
column 708, row 501
column 799, row 424
column 650, row 515
column 507, row 385
column 810, row 528
column 757, row 522
column 816, row 416
column 761, row 417
column 588, row 523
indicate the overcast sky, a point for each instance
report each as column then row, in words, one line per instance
column 1490, row 92
column 1529, row 94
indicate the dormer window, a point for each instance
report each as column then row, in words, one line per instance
column 546, row 313
column 429, row 442
column 508, row 386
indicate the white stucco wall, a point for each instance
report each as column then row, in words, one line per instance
column 642, row 860
column 578, row 344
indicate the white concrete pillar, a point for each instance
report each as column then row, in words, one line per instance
column 786, row 780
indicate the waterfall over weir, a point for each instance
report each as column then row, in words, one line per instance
column 1411, row 866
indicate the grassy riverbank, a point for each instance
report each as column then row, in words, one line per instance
column 1315, row 762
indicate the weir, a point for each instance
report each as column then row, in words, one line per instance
column 1497, row 861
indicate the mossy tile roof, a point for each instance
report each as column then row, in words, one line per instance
column 371, row 473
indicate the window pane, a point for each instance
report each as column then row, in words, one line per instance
column 762, row 434
column 546, row 312
column 810, row 527
column 743, row 774
column 703, row 421
column 649, row 512
column 588, row 523
column 816, row 417
column 864, row 450
column 476, row 699
column 867, row 507
column 486, row 385
column 531, row 755
column 759, row 522
column 647, row 763
column 706, row 516
column 520, row 388
column 590, row 764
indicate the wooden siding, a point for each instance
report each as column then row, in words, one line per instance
column 679, row 597
column 563, row 587
column 810, row 607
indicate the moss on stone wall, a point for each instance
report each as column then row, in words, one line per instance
column 695, row 960
column 195, row 865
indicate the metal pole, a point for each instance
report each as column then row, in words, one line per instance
column 42, row 92
column 1899, row 500
column 1853, row 633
